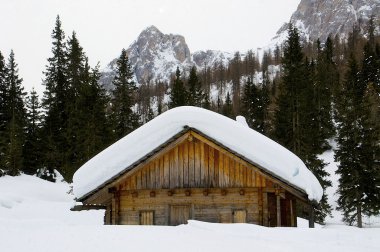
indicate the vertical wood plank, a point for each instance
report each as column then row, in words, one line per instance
column 258, row 180
column 191, row 164
column 186, row 164
column 216, row 168
column 211, row 167
column 162, row 172
column 166, row 171
column 148, row 182
column 175, row 168
column 232, row 173
column 239, row 176
column 197, row 164
column 249, row 176
column 244, row 174
column 226, row 170
column 254, row 179
column 202, row 164
column 205, row 165
column 221, row 170
column 138, row 177
column 143, row 178
column 180, row 165
column 172, row 171
column 263, row 181
column 156, row 173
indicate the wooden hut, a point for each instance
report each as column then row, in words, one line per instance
column 190, row 163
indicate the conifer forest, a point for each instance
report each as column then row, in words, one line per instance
column 323, row 95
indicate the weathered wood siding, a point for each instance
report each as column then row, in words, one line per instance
column 193, row 164
column 202, row 180
column 213, row 207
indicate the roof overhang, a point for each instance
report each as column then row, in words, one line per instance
column 298, row 192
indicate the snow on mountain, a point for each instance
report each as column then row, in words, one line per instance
column 155, row 56
column 320, row 18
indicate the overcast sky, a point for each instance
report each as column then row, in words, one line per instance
column 104, row 27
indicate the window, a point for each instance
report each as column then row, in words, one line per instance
column 240, row 216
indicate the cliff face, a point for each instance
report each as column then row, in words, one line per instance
column 319, row 18
column 155, row 56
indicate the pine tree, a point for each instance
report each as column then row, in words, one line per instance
column 77, row 75
column 54, row 102
column 236, row 73
column 178, row 94
column 96, row 133
column 288, row 115
column 326, row 82
column 195, row 94
column 228, row 109
column 371, row 150
column 313, row 144
column 32, row 148
column 206, row 104
column 348, row 154
column 371, row 63
column 15, row 128
column 124, row 119
column 3, row 113
column 249, row 102
column 296, row 116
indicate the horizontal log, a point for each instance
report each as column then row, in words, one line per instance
column 87, row 207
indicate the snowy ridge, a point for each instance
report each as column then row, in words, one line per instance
column 250, row 144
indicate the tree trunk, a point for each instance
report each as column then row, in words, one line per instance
column 359, row 214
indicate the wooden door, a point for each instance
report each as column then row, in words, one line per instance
column 240, row 216
column 179, row 214
column 146, row 218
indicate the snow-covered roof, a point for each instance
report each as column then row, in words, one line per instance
column 253, row 146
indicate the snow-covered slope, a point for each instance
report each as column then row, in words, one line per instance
column 31, row 201
column 35, row 217
column 320, row 18
column 155, row 57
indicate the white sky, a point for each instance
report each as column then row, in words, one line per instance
column 104, row 27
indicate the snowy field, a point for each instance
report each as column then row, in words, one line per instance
column 35, row 217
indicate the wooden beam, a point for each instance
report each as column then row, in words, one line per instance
column 311, row 216
column 87, row 207
column 291, row 213
column 278, row 197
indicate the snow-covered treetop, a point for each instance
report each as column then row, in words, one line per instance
column 253, row 146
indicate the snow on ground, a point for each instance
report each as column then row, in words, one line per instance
column 35, row 217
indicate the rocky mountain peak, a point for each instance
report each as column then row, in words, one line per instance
column 154, row 53
column 320, row 18
column 155, row 56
